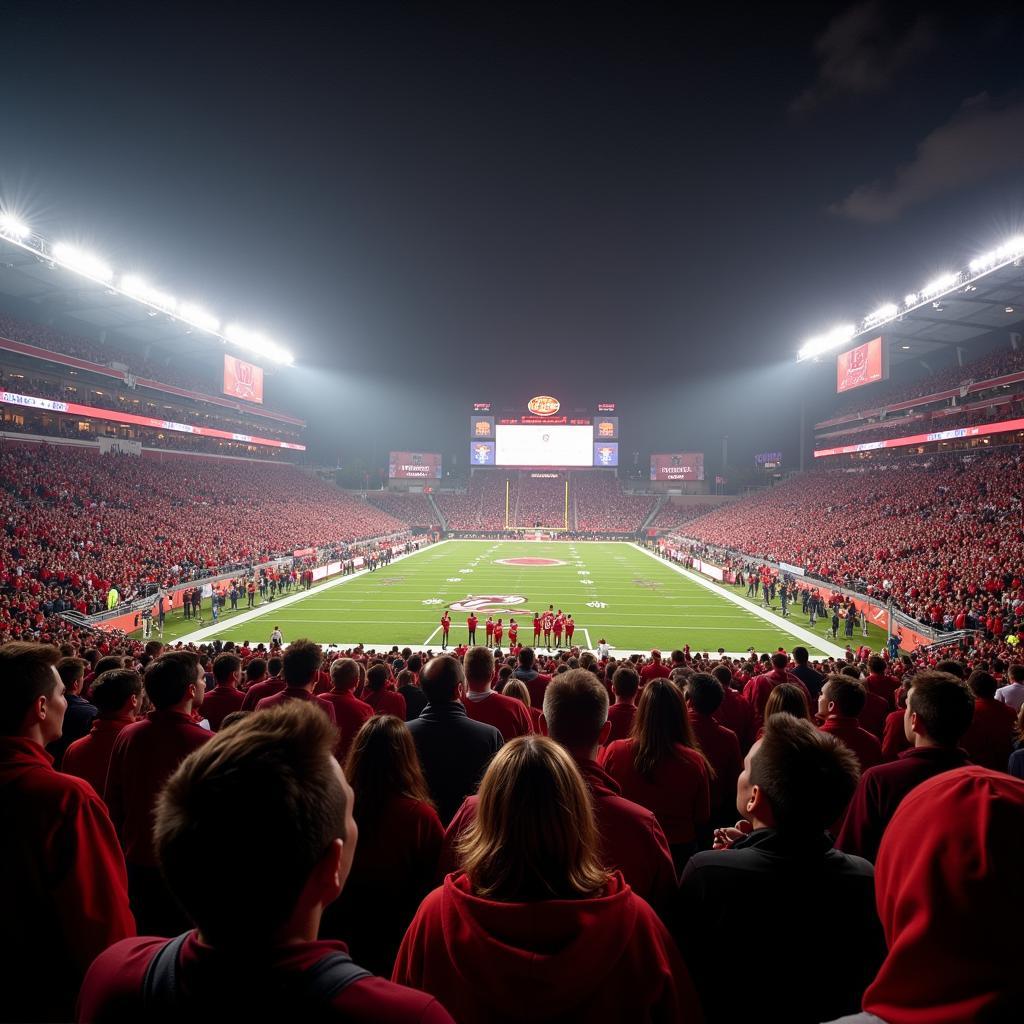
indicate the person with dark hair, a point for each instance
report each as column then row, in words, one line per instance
column 268, row 687
column 299, row 665
column 383, row 700
column 939, row 711
column 400, row 839
column 788, row 699
column 144, row 756
column 719, row 745
column 841, row 701
column 989, row 740
column 409, row 688
column 483, row 704
column 117, row 693
column 812, row 679
column 879, row 682
column 1012, row 694
column 735, row 712
column 349, row 711
column 80, row 713
column 269, row 784
column 796, row 780
column 534, row 926
column 453, row 749
column 64, row 887
column 625, row 685
column 661, row 767
column 225, row 697
column 758, row 689
column 527, row 672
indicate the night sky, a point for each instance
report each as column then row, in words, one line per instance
column 437, row 204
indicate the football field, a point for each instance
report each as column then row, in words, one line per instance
column 615, row 591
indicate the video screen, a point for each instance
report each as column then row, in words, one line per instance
column 606, row 428
column 414, row 466
column 481, row 453
column 544, row 445
column 606, row 454
column 243, row 380
column 481, row 427
column 862, row 365
column 678, row 466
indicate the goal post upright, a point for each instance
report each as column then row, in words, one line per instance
column 565, row 523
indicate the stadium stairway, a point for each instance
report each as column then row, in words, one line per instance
column 662, row 498
column 437, row 512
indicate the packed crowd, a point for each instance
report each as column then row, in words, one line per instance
column 671, row 516
column 414, row 509
column 481, row 507
column 602, row 506
column 506, row 839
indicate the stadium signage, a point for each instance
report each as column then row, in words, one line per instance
column 544, row 405
column 1004, row 426
column 509, row 603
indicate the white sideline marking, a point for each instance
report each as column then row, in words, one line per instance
column 586, row 633
column 426, row 643
column 809, row 638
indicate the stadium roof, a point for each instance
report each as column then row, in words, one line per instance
column 80, row 287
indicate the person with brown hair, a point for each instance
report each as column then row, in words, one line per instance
column 81, row 712
column 718, row 744
column 661, row 767
column 989, row 740
column 64, row 887
column 349, row 711
column 842, row 700
column 788, row 699
column 400, row 839
column 735, row 712
column 299, row 666
column 533, row 926
column 625, row 684
column 225, row 697
column 518, row 690
column 483, row 704
column 269, row 783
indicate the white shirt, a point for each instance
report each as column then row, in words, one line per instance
column 1012, row 696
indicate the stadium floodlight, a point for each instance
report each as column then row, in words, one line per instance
column 1010, row 250
column 198, row 317
column 82, row 262
column 13, row 227
column 258, row 344
column 881, row 315
column 911, row 299
column 940, row 284
column 823, row 342
column 140, row 289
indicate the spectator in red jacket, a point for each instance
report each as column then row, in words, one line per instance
column 516, row 689
column 521, row 931
column 64, row 888
column 758, row 689
column 268, row 784
column 719, row 745
column 349, row 711
column 144, row 757
column 379, row 696
column 788, row 699
column 734, row 713
column 989, row 740
column 535, row 680
column 483, row 704
column 654, row 669
column 400, row 839
column 661, row 767
column 841, row 701
column 116, row 694
column 939, row 710
column 879, row 682
column 225, row 697
column 273, row 684
column 941, row 884
column 299, row 665
column 625, row 684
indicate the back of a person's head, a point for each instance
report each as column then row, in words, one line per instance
column 274, row 666
column 955, row 668
column 109, row 661
column 1016, row 673
column 168, row 678
column 575, row 709
column 660, row 722
column 526, row 657
column 705, row 693
column 344, row 674
column 787, row 698
column 442, row 678
column 625, row 681
column 780, row 660
column 153, row 648
column 268, row 783
column 71, row 671
column 478, row 664
column 852, row 671
column 801, row 655
column 255, row 669
column 414, row 663
column 943, row 704
column 724, row 675
column 225, row 666
column 405, row 678
column 300, row 662
column 112, row 690
column 983, row 684
column 26, row 674
column 848, row 695
column 516, row 689
column 533, row 837
column 876, row 664
column 807, row 775
column 377, row 677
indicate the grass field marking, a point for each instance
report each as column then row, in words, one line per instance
column 586, row 633
column 237, row 620
column 426, row 643
column 804, row 635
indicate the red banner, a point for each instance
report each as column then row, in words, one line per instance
column 678, row 466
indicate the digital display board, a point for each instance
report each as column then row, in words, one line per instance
column 606, row 428
column 481, row 407
column 606, row 407
column 606, row 454
column 243, row 380
column 481, row 453
column 862, row 365
column 677, row 466
column 414, row 466
column 770, row 460
column 544, row 445
column 481, row 427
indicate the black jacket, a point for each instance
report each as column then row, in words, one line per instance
column 77, row 723
column 415, row 701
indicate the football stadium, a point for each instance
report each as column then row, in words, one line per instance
column 454, row 572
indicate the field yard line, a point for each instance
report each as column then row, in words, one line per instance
column 799, row 632
column 426, row 643
column 586, row 633
column 211, row 631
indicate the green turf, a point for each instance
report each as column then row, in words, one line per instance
column 612, row 589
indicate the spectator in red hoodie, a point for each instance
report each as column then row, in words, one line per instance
column 225, row 697
column 734, row 713
column 299, row 666
column 661, row 767
column 534, row 925
column 64, row 889
column 400, row 839
column 535, row 680
column 841, row 701
column 757, row 690
column 116, row 694
column 268, row 784
column 349, row 711
column 483, row 704
column 379, row 696
column 719, row 745
column 942, row 883
column 625, row 684
column 939, row 710
column 989, row 740
column 516, row 689
column 265, row 687
column 879, row 682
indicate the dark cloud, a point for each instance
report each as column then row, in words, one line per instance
column 981, row 140
column 861, row 51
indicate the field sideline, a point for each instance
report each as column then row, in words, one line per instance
column 614, row 590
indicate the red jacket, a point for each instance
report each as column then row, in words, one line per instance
column 722, row 749
column 290, row 693
column 873, row 715
column 220, row 702
column 678, row 791
column 349, row 712
column 386, row 702
column 989, row 740
column 632, row 841
column 884, row 687
column 607, row 958
column 656, row 670
column 507, row 715
column 894, row 735
column 89, row 757
column 737, row 714
column 866, row 747
column 759, row 689
column 144, row 757
column 621, row 716
column 112, row 989
column 64, row 889
column 256, row 692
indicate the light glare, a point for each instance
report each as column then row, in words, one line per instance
column 13, row 227
column 140, row 289
column 85, row 263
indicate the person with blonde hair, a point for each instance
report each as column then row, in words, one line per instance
column 534, row 926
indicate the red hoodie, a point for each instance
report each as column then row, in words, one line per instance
column 607, row 958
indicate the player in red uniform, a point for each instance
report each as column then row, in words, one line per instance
column 536, row 629
column 489, row 630
column 471, row 622
column 513, row 632
column 557, row 626
column 499, row 632
column 547, row 623
column 446, row 622
column 570, row 628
